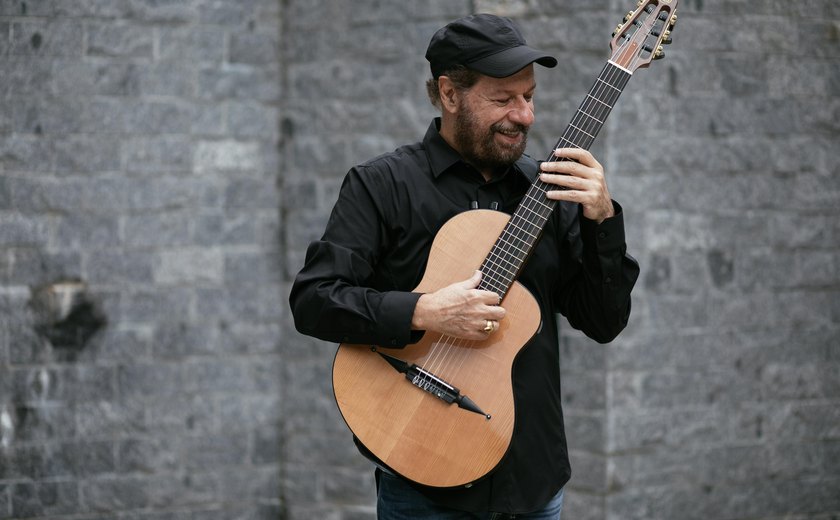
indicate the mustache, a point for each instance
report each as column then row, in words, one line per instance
column 509, row 129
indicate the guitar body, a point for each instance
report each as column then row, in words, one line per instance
column 419, row 436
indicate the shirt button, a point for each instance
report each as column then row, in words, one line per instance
column 602, row 234
column 608, row 280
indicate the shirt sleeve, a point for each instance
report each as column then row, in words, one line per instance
column 596, row 298
column 332, row 298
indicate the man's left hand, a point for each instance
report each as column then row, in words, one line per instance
column 583, row 178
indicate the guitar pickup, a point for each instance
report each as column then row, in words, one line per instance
column 428, row 382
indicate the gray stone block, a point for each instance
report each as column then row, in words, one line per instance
column 191, row 43
column 189, row 266
column 100, row 77
column 44, row 499
column 160, row 154
column 254, row 48
column 21, row 230
column 119, row 40
column 84, row 154
column 242, row 82
column 25, row 154
column 47, row 38
column 164, row 78
column 227, row 229
column 79, row 231
column 171, row 228
column 120, row 267
column 152, row 305
column 233, row 303
column 253, row 120
column 215, row 452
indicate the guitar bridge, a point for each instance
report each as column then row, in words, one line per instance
column 428, row 382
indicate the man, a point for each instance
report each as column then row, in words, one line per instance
column 356, row 285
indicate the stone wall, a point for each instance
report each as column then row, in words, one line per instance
column 163, row 165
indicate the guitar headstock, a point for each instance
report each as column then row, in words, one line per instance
column 639, row 39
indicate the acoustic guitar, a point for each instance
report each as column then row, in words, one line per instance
column 441, row 412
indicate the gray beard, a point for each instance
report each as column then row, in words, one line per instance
column 479, row 148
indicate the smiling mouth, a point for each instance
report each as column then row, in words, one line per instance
column 511, row 133
column 514, row 136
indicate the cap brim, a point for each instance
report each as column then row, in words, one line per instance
column 510, row 61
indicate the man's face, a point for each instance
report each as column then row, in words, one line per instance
column 493, row 118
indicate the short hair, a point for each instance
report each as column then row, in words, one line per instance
column 462, row 77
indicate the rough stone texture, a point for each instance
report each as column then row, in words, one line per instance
column 176, row 157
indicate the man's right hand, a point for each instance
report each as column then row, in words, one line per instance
column 459, row 310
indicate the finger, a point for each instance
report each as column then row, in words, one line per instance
column 566, row 195
column 471, row 282
column 496, row 312
column 572, row 169
column 565, row 180
column 578, row 154
column 488, row 298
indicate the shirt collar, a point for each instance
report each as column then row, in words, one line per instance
column 442, row 156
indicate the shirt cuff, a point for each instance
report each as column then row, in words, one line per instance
column 606, row 236
column 604, row 246
column 395, row 316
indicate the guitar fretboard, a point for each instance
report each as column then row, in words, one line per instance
column 513, row 247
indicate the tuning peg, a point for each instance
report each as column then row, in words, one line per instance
column 640, row 3
column 673, row 19
column 617, row 28
column 629, row 15
column 659, row 54
column 666, row 37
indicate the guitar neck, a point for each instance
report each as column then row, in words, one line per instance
column 513, row 247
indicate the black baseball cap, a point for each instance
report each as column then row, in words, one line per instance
column 489, row 44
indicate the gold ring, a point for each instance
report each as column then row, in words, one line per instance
column 490, row 327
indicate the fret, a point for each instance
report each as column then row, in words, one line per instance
column 582, row 130
column 535, row 200
column 509, row 258
column 568, row 142
column 540, row 215
column 511, row 244
column 523, row 230
column 510, row 272
column 508, row 255
column 498, row 279
column 590, row 96
column 607, row 84
column 586, row 119
column 590, row 116
column 505, row 278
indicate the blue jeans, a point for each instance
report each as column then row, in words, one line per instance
column 397, row 500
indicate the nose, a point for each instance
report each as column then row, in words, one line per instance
column 522, row 112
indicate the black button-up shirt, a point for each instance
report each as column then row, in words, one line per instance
column 355, row 287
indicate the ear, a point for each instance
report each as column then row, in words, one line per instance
column 448, row 94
